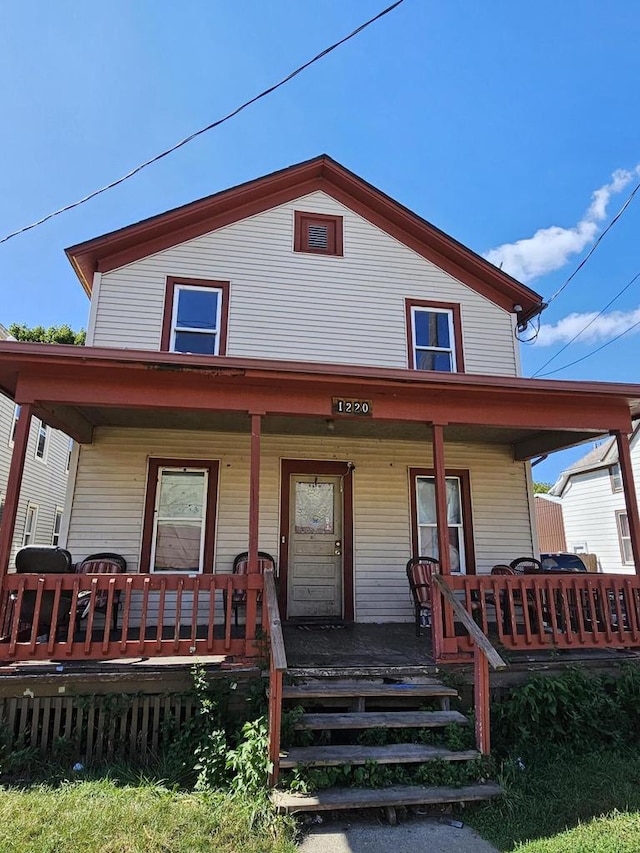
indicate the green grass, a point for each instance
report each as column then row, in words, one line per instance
column 101, row 817
column 566, row 800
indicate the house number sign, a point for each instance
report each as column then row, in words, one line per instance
column 342, row 406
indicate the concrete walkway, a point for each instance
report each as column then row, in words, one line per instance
column 418, row 835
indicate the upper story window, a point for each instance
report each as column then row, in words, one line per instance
column 195, row 316
column 14, row 423
column 317, row 233
column 42, row 442
column 615, row 476
column 434, row 336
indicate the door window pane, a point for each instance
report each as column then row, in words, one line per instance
column 314, row 508
column 180, row 520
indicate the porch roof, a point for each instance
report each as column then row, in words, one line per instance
column 78, row 388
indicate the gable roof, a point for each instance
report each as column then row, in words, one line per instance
column 604, row 455
column 149, row 236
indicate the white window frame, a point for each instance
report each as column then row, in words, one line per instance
column 45, row 449
column 462, row 556
column 14, row 425
column 415, row 309
column 29, row 533
column 615, row 475
column 624, row 538
column 57, row 525
column 178, row 288
column 156, row 518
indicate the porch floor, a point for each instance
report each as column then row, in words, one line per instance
column 355, row 644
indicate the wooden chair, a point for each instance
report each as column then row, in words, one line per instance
column 241, row 567
column 103, row 563
column 419, row 571
column 503, row 569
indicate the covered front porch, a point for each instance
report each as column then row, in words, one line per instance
column 370, row 434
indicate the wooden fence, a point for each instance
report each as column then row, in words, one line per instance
column 84, row 617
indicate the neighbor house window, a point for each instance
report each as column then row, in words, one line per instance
column 425, row 528
column 179, row 516
column 434, row 336
column 615, row 475
column 42, row 441
column 14, row 424
column 1, row 508
column 55, row 538
column 624, row 535
column 195, row 316
column 30, row 525
column 317, row 234
column 69, row 453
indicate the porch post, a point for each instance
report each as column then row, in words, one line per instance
column 13, row 486
column 254, row 492
column 630, row 496
column 442, row 518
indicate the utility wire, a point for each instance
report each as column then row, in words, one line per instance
column 591, row 321
column 207, row 128
column 595, row 245
column 593, row 352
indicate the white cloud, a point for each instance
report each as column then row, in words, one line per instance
column 550, row 248
column 603, row 329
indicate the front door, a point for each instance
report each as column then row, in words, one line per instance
column 314, row 585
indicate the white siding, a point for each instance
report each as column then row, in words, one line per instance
column 110, row 489
column 43, row 483
column 589, row 510
column 303, row 307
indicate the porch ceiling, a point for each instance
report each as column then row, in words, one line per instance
column 79, row 388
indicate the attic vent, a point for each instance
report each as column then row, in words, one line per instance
column 318, row 237
column 317, row 233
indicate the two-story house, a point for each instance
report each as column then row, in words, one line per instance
column 593, row 505
column 303, row 366
column 42, row 499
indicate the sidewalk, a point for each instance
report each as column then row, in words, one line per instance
column 416, row 834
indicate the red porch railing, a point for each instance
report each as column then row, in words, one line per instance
column 540, row 611
column 277, row 669
column 80, row 617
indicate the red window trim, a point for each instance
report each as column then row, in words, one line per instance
column 172, row 281
column 467, row 516
column 212, row 466
column 334, row 241
column 454, row 307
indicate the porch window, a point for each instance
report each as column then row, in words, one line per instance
column 179, row 523
column 30, row 525
column 458, row 516
column 195, row 318
column 615, row 476
column 434, row 336
column 624, row 535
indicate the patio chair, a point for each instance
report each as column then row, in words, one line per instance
column 419, row 571
column 102, row 563
column 241, row 567
column 41, row 560
column 526, row 565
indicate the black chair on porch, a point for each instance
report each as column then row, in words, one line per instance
column 241, row 567
column 419, row 571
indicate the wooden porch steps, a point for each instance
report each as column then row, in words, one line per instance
column 340, row 722
column 333, row 799
column 397, row 753
column 382, row 719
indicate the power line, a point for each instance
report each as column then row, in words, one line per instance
column 207, row 128
column 595, row 245
column 584, row 328
column 593, row 352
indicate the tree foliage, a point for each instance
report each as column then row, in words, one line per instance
column 542, row 488
column 53, row 335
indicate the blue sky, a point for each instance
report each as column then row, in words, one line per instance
column 495, row 121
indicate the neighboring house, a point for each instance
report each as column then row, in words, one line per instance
column 593, row 505
column 302, row 364
column 44, row 483
column 549, row 523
